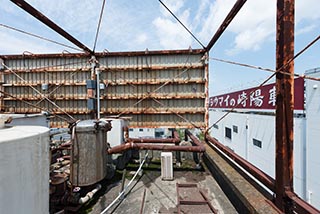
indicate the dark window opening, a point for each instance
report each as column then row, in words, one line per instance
column 235, row 129
column 140, row 130
column 228, row 133
column 159, row 134
column 257, row 143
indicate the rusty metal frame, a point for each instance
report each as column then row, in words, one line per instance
column 78, row 64
column 286, row 199
column 103, row 54
column 42, row 18
column 284, row 104
column 204, row 202
column 233, row 12
column 299, row 205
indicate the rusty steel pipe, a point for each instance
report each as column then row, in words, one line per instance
column 194, row 139
column 42, row 18
column 256, row 172
column 145, row 146
column 233, row 12
column 152, row 140
column 152, row 144
column 300, row 205
column 284, row 103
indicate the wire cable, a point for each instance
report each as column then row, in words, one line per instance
column 98, row 27
column 40, row 37
column 148, row 95
column 121, row 195
column 53, row 103
column 300, row 52
column 182, row 24
column 33, row 105
column 265, row 69
column 226, row 114
column 280, row 70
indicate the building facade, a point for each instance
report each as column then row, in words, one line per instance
column 250, row 132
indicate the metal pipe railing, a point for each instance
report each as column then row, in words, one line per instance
column 254, row 171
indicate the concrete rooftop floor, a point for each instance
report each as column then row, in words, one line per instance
column 160, row 195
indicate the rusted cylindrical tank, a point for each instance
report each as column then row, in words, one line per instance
column 88, row 152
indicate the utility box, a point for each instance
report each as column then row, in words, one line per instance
column 116, row 134
column 166, row 166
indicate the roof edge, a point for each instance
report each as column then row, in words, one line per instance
column 103, row 54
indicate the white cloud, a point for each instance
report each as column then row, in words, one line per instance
column 71, row 14
column 130, row 25
column 200, row 18
column 141, row 38
column 173, row 5
column 249, row 40
column 305, row 29
column 307, row 9
column 170, row 33
column 253, row 26
column 217, row 12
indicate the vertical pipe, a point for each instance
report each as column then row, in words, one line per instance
column 93, row 77
column 247, row 138
column 1, row 84
column 206, row 76
column 284, row 107
column 98, row 93
column 93, row 67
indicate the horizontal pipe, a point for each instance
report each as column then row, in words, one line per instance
column 106, row 69
column 89, row 195
column 111, row 97
column 144, row 146
column 150, row 125
column 254, row 171
column 151, row 140
column 301, row 206
column 109, row 83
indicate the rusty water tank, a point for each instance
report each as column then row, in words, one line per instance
column 89, row 152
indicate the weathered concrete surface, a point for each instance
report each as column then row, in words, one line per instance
column 244, row 196
column 161, row 196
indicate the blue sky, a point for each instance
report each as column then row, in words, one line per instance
column 139, row 24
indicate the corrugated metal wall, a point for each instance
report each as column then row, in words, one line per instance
column 154, row 89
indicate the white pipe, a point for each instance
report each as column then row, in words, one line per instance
column 89, row 195
column 123, row 192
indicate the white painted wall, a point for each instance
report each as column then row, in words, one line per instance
column 115, row 136
column 262, row 128
column 141, row 133
column 313, row 138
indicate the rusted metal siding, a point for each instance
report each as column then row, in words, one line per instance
column 156, row 88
